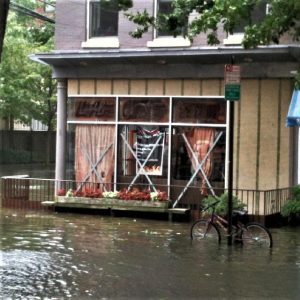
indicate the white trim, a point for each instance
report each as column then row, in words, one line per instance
column 173, row 124
column 98, row 42
column 116, row 146
column 170, row 125
column 200, row 125
column 169, row 148
column 102, row 42
column 91, row 122
column 169, row 41
column 227, row 146
column 166, row 41
column 234, row 39
column 144, row 96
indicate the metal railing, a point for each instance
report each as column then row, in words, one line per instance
column 23, row 192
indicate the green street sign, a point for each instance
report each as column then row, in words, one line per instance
column 232, row 92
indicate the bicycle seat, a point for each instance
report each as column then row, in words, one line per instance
column 239, row 212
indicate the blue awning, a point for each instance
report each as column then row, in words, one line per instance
column 293, row 117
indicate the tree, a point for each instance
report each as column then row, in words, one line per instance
column 4, row 6
column 213, row 15
column 283, row 17
column 27, row 90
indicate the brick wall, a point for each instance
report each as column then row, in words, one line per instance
column 70, row 24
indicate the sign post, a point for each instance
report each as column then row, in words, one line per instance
column 232, row 93
column 232, row 82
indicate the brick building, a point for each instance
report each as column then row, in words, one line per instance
column 114, row 92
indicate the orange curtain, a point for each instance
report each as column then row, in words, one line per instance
column 90, row 143
column 201, row 140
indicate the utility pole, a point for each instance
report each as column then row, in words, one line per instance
column 232, row 94
column 230, row 171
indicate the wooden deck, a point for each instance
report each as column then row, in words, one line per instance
column 116, row 205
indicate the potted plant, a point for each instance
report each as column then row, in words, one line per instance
column 221, row 208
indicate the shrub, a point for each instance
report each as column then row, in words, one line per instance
column 292, row 206
column 222, row 206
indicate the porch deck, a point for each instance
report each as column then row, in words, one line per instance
column 113, row 205
column 30, row 193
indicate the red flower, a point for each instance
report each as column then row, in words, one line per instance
column 61, row 192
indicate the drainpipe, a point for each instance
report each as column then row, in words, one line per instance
column 61, row 133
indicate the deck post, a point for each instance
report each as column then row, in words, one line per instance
column 61, row 133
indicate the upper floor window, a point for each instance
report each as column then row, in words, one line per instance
column 104, row 18
column 164, row 8
column 164, row 36
column 258, row 13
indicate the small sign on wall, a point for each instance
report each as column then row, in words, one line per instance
column 232, row 80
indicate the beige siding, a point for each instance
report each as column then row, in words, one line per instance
column 173, row 87
column 73, row 86
column 120, row 87
column 155, row 87
column 247, row 137
column 262, row 142
column 268, row 134
column 138, row 87
column 103, row 87
column 87, row 86
column 285, row 162
column 191, row 87
column 211, row 87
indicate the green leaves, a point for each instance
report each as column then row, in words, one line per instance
column 213, row 15
column 292, row 207
column 27, row 90
column 222, row 206
column 143, row 20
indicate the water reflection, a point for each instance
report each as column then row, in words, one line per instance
column 59, row 256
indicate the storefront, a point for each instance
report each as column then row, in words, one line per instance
column 151, row 142
column 129, row 118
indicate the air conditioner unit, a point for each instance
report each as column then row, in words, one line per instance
column 268, row 9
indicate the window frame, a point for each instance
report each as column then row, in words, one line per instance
column 170, row 124
column 98, row 41
column 166, row 40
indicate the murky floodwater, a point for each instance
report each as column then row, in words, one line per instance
column 59, row 256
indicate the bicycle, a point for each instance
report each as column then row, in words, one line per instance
column 247, row 234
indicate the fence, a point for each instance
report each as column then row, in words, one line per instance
column 19, row 147
column 30, row 193
column 26, row 193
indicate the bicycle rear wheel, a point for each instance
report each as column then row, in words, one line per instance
column 258, row 235
column 206, row 231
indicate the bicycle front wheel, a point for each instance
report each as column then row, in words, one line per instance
column 258, row 235
column 206, row 231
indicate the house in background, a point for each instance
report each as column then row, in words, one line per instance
column 152, row 110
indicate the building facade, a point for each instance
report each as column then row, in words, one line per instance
column 151, row 111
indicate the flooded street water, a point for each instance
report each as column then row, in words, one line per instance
column 59, row 256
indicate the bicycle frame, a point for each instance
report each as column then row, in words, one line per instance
column 221, row 222
column 210, row 226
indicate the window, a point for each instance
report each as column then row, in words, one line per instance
column 102, row 24
column 258, row 14
column 162, row 36
column 142, row 142
column 164, row 7
column 104, row 17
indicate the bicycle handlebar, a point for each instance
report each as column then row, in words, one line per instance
column 211, row 205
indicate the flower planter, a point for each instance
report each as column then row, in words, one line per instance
column 111, row 203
